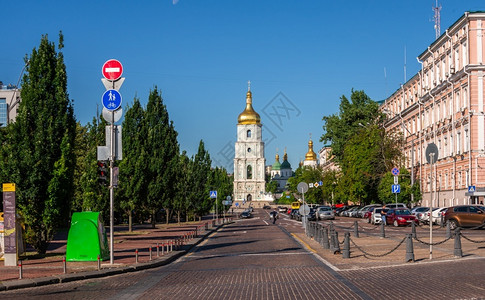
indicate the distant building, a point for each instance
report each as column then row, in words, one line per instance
column 310, row 156
column 326, row 160
column 444, row 104
column 281, row 172
column 9, row 100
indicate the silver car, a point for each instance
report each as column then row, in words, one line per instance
column 324, row 213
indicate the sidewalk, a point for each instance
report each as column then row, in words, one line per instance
column 381, row 252
column 173, row 240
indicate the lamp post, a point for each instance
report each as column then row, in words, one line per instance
column 13, row 104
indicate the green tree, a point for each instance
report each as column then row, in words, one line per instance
column 310, row 176
column 367, row 157
column 339, row 128
column 162, row 151
column 200, row 172
column 95, row 197
column 387, row 196
column 221, row 182
column 181, row 203
column 133, row 168
column 42, row 144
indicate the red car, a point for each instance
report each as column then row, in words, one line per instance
column 400, row 217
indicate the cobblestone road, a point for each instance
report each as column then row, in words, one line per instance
column 254, row 259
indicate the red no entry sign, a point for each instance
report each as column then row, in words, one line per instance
column 112, row 69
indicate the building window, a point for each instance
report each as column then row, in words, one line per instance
column 248, row 133
column 458, row 142
column 3, row 112
column 249, row 150
column 249, row 172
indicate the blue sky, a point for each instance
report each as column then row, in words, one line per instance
column 301, row 57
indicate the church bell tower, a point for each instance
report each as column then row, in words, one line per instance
column 249, row 162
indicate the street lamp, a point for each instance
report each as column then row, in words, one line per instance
column 12, row 104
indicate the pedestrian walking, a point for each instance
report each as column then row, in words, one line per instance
column 383, row 216
column 273, row 215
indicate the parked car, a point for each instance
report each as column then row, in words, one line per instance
column 350, row 211
column 439, row 215
column 376, row 217
column 266, row 207
column 294, row 212
column 245, row 215
column 365, row 209
column 324, row 213
column 400, row 216
column 282, row 209
column 368, row 213
column 464, row 216
column 395, row 205
column 419, row 211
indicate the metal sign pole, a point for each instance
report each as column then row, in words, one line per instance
column 111, row 190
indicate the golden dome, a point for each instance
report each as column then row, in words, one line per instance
column 310, row 154
column 249, row 116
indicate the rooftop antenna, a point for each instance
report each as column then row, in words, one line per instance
column 437, row 20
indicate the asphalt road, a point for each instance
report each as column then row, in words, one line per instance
column 254, row 259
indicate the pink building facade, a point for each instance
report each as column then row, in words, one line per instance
column 444, row 104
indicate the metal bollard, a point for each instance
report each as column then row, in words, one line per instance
column 318, row 233
column 64, row 265
column 158, row 249
column 325, row 242
column 336, row 243
column 409, row 248
column 99, row 262
column 346, row 249
column 383, row 231
column 332, row 228
column 458, row 252
column 20, row 269
column 171, row 246
column 150, row 251
column 136, row 256
column 413, row 229
column 442, row 219
column 448, row 230
column 356, row 229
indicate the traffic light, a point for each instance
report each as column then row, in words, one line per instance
column 102, row 172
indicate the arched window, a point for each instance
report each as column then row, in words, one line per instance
column 248, row 133
column 249, row 173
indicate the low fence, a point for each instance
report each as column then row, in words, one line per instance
column 160, row 249
column 327, row 236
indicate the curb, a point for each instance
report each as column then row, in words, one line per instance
column 64, row 278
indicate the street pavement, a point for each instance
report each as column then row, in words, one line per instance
column 254, row 259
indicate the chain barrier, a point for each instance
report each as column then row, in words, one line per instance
column 470, row 240
column 378, row 255
column 432, row 244
column 364, row 228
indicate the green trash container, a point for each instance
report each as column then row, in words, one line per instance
column 87, row 238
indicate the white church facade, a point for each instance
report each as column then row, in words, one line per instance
column 249, row 161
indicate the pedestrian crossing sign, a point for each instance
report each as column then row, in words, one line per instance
column 213, row 194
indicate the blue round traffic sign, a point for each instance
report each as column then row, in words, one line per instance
column 111, row 99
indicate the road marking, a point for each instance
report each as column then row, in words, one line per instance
column 265, row 222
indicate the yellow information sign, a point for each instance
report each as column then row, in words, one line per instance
column 9, row 187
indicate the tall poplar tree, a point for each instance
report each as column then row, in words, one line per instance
column 133, row 168
column 199, row 177
column 162, row 155
column 42, row 140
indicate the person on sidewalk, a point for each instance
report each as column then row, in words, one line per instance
column 383, row 215
column 273, row 215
